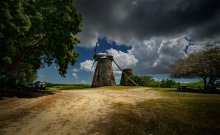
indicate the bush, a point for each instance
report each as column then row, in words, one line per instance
column 168, row 83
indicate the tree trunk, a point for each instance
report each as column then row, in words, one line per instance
column 16, row 65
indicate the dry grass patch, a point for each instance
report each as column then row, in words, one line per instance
column 11, row 115
column 183, row 114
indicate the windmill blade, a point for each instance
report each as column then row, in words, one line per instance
column 95, row 50
column 93, row 64
column 125, row 73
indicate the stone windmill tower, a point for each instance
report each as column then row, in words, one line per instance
column 103, row 75
column 124, row 76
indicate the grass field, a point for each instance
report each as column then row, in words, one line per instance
column 194, row 84
column 112, row 110
column 84, row 86
column 68, row 86
column 175, row 113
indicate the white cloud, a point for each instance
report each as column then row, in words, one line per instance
column 156, row 54
column 75, row 75
column 117, row 75
column 117, row 72
column 86, row 65
column 200, row 45
column 75, row 70
column 195, row 48
column 124, row 60
column 168, row 52
column 146, row 52
column 102, row 53
column 83, row 82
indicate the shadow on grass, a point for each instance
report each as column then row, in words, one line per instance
column 162, row 116
column 22, row 93
column 199, row 91
column 202, row 91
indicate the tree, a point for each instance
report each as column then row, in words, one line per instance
column 34, row 33
column 167, row 83
column 27, row 74
column 204, row 64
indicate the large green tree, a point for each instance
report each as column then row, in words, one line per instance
column 204, row 64
column 34, row 33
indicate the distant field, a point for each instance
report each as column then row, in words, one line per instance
column 68, row 86
column 85, row 86
column 194, row 84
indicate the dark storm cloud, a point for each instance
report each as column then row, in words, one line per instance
column 158, row 31
column 133, row 20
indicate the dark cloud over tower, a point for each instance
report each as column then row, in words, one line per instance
column 128, row 21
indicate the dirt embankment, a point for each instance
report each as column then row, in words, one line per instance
column 69, row 112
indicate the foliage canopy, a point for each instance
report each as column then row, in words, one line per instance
column 35, row 33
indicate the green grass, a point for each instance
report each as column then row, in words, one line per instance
column 193, row 84
column 116, row 87
column 175, row 113
column 162, row 89
column 85, row 86
column 68, row 86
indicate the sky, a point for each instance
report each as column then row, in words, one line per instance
column 145, row 35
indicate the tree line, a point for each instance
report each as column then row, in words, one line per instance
column 150, row 81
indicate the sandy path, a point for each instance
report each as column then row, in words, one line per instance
column 69, row 112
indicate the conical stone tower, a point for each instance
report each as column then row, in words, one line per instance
column 124, row 78
column 104, row 75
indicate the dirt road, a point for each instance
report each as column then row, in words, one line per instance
column 69, row 112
